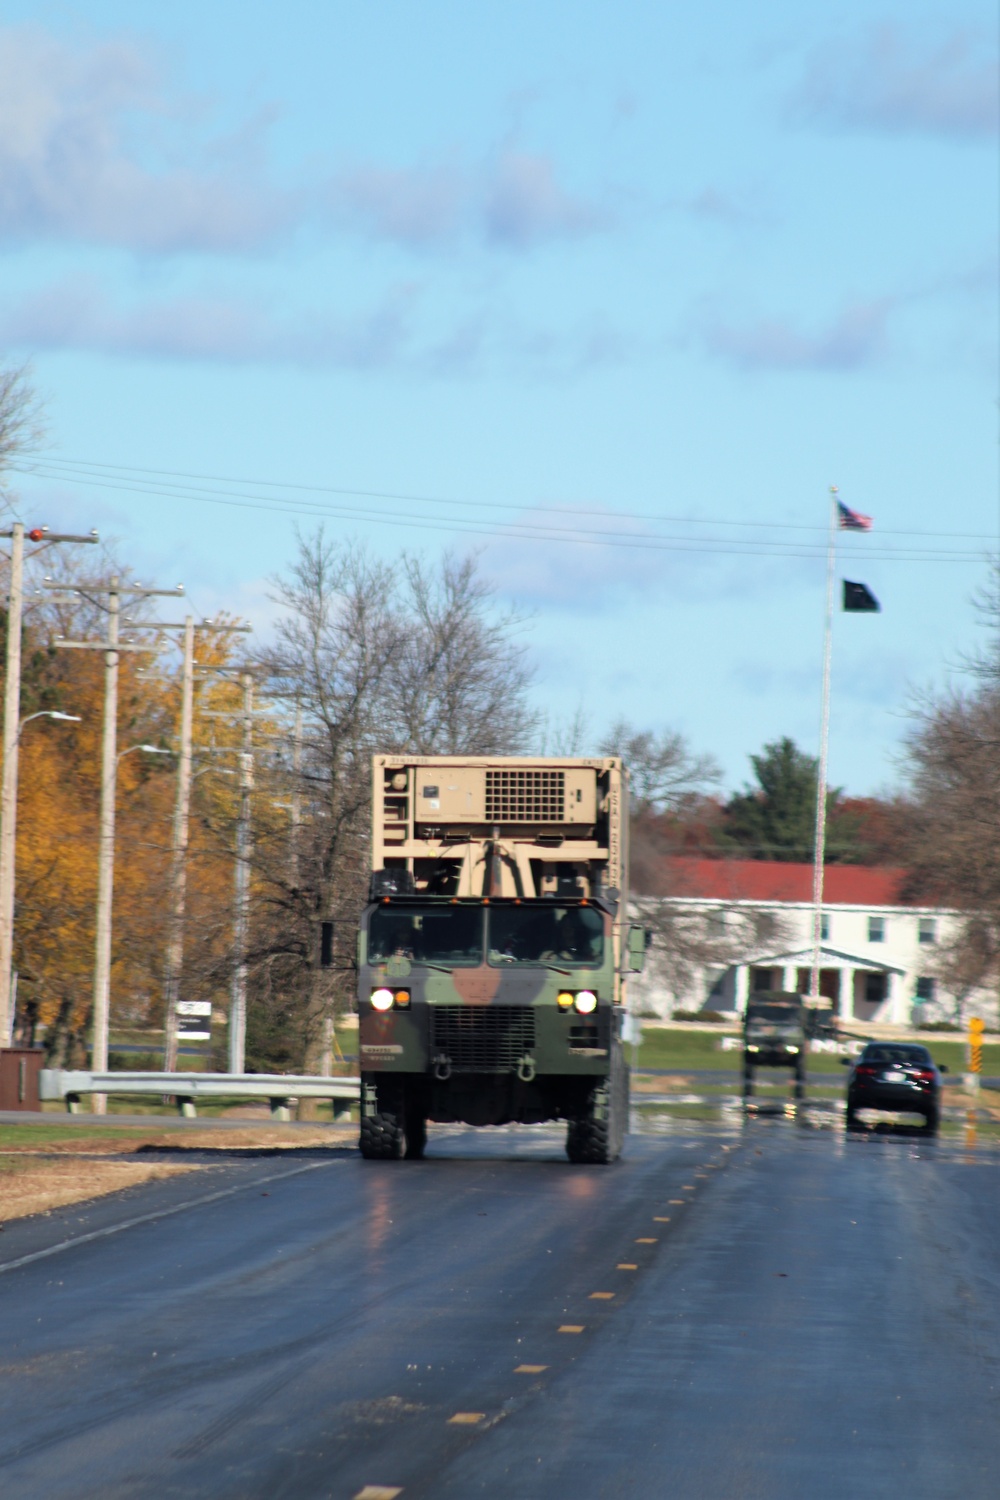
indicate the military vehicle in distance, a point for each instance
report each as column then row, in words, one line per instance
column 776, row 1030
column 493, row 954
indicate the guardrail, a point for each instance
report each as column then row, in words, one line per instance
column 281, row 1090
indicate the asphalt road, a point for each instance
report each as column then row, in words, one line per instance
column 783, row 1313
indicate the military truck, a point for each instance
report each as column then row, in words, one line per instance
column 493, row 953
column 776, row 1030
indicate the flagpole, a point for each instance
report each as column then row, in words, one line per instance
column 819, row 845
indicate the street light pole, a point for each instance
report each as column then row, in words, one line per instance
column 241, row 915
column 178, row 861
column 181, row 829
column 11, row 717
column 8, row 795
column 111, row 648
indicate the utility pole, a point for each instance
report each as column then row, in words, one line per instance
column 11, row 722
column 241, row 915
column 296, row 804
column 178, row 859
column 111, row 647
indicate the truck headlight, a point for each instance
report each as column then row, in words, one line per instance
column 586, row 1002
column 751, row 1047
column 381, row 999
column 564, row 999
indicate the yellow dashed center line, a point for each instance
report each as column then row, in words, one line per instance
column 687, row 1187
column 530, row 1369
column 571, row 1327
column 679, row 1201
column 378, row 1492
column 626, row 1266
column 646, row 1240
column 661, row 1218
column 601, row 1296
column 467, row 1418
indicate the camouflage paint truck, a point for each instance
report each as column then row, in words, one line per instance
column 493, row 953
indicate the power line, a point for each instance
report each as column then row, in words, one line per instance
column 549, row 531
column 73, row 464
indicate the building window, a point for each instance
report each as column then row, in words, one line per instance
column 926, row 989
column 716, row 924
column 927, row 932
column 876, row 929
column 824, row 927
column 875, row 988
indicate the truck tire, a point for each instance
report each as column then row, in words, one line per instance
column 800, row 1078
column 747, row 1082
column 597, row 1137
column 381, row 1138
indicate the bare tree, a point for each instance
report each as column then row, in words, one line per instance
column 377, row 658
column 460, row 681
column 952, row 849
column 337, row 640
column 663, row 767
column 20, row 421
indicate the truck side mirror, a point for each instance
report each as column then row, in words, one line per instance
column 637, row 945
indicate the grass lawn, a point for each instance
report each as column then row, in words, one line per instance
column 667, row 1048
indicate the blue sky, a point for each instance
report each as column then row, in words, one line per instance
column 610, row 292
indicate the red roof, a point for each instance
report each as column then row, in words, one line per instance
column 773, row 880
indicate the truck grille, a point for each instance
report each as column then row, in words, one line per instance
column 525, row 796
column 483, row 1039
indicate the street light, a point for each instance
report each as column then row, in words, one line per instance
column 49, row 713
column 8, row 864
column 146, row 749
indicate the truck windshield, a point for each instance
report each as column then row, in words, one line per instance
column 426, row 934
column 787, row 1013
column 562, row 935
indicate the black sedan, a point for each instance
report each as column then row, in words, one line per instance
column 896, row 1076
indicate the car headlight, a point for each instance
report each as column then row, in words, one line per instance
column 586, row 1002
column 751, row 1047
column 791, row 1049
column 381, row 999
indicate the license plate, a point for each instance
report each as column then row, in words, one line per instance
column 892, row 1077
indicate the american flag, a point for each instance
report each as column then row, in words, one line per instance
column 852, row 520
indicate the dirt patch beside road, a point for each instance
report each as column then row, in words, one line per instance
column 43, row 1167
column 29, row 1185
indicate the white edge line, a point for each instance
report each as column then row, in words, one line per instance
column 160, row 1213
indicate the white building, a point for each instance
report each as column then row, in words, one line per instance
column 745, row 925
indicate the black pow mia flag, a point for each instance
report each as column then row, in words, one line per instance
column 859, row 599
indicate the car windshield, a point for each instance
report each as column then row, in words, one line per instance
column 562, row 935
column 426, row 934
column 884, row 1053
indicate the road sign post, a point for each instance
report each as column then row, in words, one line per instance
column 974, row 1054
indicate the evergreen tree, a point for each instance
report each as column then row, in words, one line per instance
column 776, row 819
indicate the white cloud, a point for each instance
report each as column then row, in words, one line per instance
column 77, row 314
column 855, row 338
column 887, row 82
column 513, row 201
column 87, row 134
